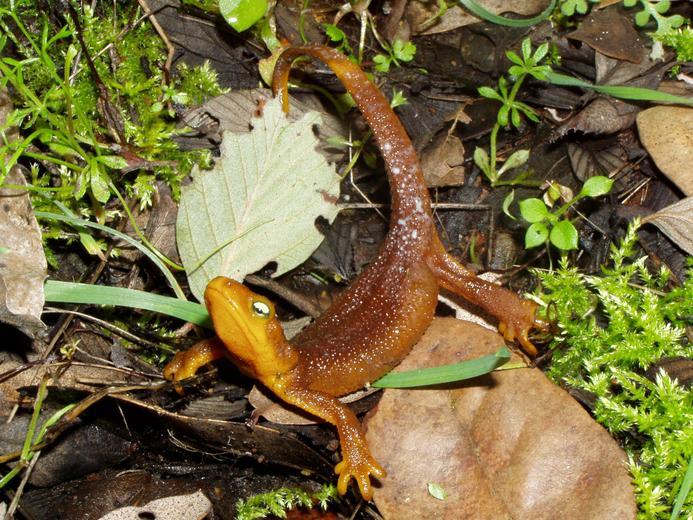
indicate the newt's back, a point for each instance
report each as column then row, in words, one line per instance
column 377, row 320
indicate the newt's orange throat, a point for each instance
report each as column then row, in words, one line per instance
column 377, row 320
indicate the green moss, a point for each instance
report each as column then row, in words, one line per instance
column 681, row 41
column 58, row 109
column 277, row 502
column 612, row 328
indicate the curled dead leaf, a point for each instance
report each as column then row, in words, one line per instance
column 22, row 261
column 676, row 222
column 507, row 445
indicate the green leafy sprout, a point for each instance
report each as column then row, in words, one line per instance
column 399, row 51
column 551, row 226
column 614, row 328
column 511, row 110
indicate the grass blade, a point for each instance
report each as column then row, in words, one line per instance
column 69, row 292
column 683, row 491
column 445, row 373
column 619, row 91
column 81, row 223
column 484, row 14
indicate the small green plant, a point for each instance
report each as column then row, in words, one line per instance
column 655, row 9
column 548, row 226
column 651, row 9
column 680, row 40
column 339, row 37
column 511, row 110
column 613, row 330
column 276, row 503
column 398, row 51
column 34, row 437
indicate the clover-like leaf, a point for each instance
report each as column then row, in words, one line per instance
column 564, row 235
column 536, row 235
column 533, row 210
column 259, row 202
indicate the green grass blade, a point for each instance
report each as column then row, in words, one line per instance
column 446, row 373
column 619, row 91
column 484, row 14
column 81, row 223
column 683, row 492
column 68, row 292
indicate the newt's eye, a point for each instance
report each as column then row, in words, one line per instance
column 261, row 309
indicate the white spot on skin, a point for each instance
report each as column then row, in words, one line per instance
column 402, row 221
column 396, row 170
column 414, row 233
column 419, row 205
column 387, row 147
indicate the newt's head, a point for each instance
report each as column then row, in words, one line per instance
column 246, row 324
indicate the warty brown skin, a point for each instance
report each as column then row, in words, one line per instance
column 376, row 321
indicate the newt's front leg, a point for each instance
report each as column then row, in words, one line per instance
column 185, row 364
column 357, row 461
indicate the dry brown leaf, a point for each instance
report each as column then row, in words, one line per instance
column 508, row 445
column 233, row 111
column 22, row 262
column 419, row 11
column 610, row 32
column 181, row 507
column 590, row 159
column 442, row 161
column 601, row 116
column 667, row 134
column 676, row 222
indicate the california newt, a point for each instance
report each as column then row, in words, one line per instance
column 374, row 323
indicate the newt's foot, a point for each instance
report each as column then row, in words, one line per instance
column 360, row 466
column 185, row 364
column 518, row 322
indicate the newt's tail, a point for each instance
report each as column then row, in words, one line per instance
column 411, row 203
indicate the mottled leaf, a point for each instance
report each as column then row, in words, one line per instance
column 259, row 202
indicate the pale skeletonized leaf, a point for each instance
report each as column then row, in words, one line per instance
column 259, row 202
column 676, row 222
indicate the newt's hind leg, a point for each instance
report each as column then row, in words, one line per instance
column 516, row 316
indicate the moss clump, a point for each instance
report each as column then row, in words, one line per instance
column 277, row 502
column 614, row 327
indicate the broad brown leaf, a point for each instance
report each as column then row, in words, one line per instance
column 508, row 445
column 667, row 134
